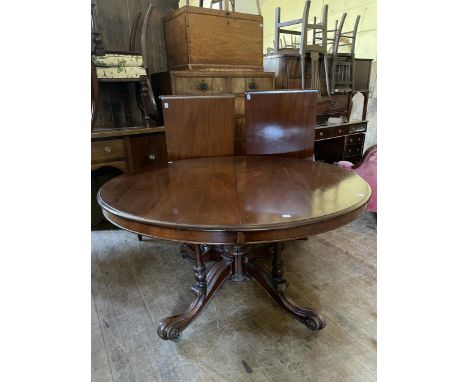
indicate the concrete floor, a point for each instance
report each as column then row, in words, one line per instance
column 242, row 335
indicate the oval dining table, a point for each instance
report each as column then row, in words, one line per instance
column 235, row 211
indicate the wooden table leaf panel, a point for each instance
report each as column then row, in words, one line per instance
column 199, row 83
column 227, row 205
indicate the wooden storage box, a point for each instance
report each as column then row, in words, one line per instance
column 204, row 39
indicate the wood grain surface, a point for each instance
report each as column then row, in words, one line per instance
column 198, row 127
column 235, row 199
column 280, row 122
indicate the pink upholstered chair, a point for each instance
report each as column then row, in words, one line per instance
column 367, row 169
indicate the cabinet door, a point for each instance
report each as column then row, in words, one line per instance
column 146, row 151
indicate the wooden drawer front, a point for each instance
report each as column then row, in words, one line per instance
column 358, row 127
column 355, row 139
column 239, row 130
column 107, row 150
column 148, row 150
column 244, row 84
column 331, row 132
column 200, row 85
column 353, row 150
column 341, row 105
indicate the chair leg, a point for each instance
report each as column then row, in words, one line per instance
column 140, row 238
column 277, row 28
column 303, row 70
column 327, row 82
column 94, row 96
column 146, row 101
column 126, row 106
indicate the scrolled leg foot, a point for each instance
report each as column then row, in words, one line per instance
column 168, row 332
column 315, row 323
column 206, row 284
column 275, row 285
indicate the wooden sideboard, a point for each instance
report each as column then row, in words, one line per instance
column 215, row 82
column 132, row 149
column 340, row 142
column 120, row 151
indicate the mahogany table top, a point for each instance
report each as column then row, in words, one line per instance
column 235, row 200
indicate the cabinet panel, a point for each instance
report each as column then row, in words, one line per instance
column 353, row 150
column 147, row 150
column 355, row 139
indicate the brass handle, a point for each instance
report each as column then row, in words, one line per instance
column 151, row 156
column 351, row 139
column 107, row 149
column 252, row 85
column 321, row 134
column 339, row 130
column 203, row 86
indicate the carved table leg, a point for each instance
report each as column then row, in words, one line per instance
column 275, row 285
column 204, row 288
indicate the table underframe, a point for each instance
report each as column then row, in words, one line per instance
column 236, row 263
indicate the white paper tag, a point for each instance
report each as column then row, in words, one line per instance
column 166, row 105
column 248, row 97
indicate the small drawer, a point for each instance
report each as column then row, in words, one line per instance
column 107, row 150
column 355, row 139
column 357, row 127
column 200, row 85
column 331, row 132
column 245, row 84
column 353, row 150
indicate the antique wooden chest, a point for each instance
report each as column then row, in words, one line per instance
column 212, row 39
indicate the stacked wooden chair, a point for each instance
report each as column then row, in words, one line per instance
column 317, row 49
column 343, row 63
